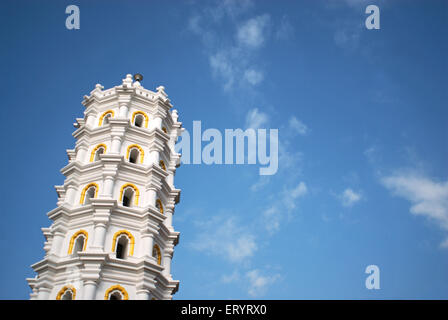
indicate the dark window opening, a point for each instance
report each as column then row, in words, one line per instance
column 138, row 122
column 133, row 156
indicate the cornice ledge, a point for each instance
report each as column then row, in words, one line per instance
column 170, row 234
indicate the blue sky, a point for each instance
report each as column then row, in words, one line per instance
column 362, row 122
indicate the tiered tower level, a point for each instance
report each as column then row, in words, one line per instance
column 111, row 235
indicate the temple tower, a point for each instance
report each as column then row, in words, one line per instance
column 111, row 235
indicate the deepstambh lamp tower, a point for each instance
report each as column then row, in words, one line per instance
column 112, row 234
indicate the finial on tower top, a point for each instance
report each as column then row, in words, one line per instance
column 138, row 77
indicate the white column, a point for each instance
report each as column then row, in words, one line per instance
column 81, row 153
column 89, row 290
column 56, row 245
column 169, row 218
column 172, row 141
column 155, row 157
column 44, row 293
column 99, row 237
column 147, row 244
column 90, row 122
column 157, row 123
column 124, row 111
column 116, row 145
column 170, row 179
column 167, row 264
column 108, row 187
column 70, row 196
column 143, row 294
column 152, row 196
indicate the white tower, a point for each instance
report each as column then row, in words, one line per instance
column 112, row 234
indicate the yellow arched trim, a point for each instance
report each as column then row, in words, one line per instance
column 105, row 114
column 136, row 195
column 131, row 240
column 162, row 164
column 119, row 288
column 164, row 130
column 132, row 146
column 83, row 193
column 92, row 155
column 72, row 240
column 143, row 114
column 159, row 254
column 160, row 205
column 65, row 288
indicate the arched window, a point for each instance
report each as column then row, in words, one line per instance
column 78, row 242
column 66, row 293
column 129, row 195
column 116, row 292
column 140, row 119
column 159, row 205
column 89, row 192
column 162, row 165
column 105, row 117
column 135, row 153
column 157, row 254
column 121, row 250
column 99, row 149
column 123, row 244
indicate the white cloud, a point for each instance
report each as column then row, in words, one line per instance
column 259, row 283
column 350, row 197
column 233, row 277
column 255, row 119
column 428, row 198
column 298, row 126
column 348, row 37
column 260, row 183
column 252, row 32
column 233, row 54
column 254, row 77
column 273, row 215
column 223, row 67
column 285, row 30
column 225, row 237
column 194, row 24
column 371, row 154
column 231, row 8
column 291, row 195
column 444, row 244
column 357, row 3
